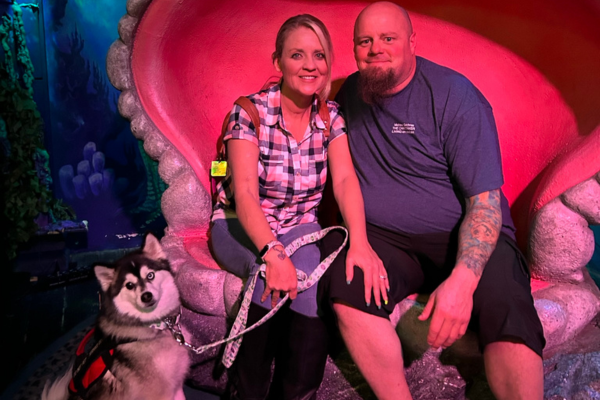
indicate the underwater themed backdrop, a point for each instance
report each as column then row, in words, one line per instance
column 98, row 167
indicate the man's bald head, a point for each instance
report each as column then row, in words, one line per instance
column 389, row 9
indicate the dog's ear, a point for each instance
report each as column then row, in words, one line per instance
column 105, row 276
column 152, row 248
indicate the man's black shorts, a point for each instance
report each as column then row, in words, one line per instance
column 502, row 303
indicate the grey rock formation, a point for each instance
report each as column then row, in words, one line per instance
column 560, row 246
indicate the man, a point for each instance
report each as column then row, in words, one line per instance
column 425, row 148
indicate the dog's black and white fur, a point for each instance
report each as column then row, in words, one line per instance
column 138, row 291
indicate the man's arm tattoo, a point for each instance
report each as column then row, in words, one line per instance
column 479, row 230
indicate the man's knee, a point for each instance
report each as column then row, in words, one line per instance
column 510, row 345
column 342, row 309
column 348, row 315
column 505, row 344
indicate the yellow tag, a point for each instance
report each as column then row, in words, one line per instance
column 218, row 168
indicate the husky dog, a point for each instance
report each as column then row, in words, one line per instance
column 133, row 357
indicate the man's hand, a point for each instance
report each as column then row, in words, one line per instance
column 280, row 276
column 365, row 258
column 451, row 305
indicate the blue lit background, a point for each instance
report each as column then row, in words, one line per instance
column 84, row 134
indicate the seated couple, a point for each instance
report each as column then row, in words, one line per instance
column 418, row 142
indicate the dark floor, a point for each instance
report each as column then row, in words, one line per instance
column 47, row 297
column 39, row 316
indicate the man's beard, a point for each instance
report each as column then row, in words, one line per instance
column 375, row 83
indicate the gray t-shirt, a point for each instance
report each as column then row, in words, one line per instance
column 421, row 152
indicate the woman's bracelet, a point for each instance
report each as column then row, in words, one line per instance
column 268, row 248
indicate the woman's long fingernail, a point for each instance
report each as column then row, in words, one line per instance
column 347, row 282
column 368, row 304
column 385, row 302
column 379, row 307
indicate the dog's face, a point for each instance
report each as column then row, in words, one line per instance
column 140, row 285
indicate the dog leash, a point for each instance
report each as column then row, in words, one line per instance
column 234, row 340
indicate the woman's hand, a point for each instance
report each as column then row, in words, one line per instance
column 280, row 276
column 349, row 198
column 375, row 275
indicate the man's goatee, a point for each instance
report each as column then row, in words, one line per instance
column 374, row 83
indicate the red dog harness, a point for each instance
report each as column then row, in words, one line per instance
column 91, row 366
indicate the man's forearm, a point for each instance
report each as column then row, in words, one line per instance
column 479, row 231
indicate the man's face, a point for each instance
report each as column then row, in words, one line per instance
column 382, row 41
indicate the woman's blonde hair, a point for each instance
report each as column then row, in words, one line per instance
column 318, row 27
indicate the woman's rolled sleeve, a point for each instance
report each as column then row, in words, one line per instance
column 338, row 124
column 240, row 126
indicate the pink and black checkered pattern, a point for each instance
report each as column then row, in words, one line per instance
column 291, row 175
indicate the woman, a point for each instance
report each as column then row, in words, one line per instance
column 270, row 196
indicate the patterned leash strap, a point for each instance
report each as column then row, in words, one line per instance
column 304, row 282
column 234, row 340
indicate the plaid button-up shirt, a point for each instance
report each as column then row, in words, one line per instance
column 291, row 174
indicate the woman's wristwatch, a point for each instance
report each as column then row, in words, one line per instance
column 267, row 248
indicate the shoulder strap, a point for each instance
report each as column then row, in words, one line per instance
column 324, row 114
column 250, row 108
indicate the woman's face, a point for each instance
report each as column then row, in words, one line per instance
column 302, row 63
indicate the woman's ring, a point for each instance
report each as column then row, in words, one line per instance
column 382, row 277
